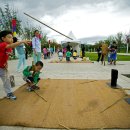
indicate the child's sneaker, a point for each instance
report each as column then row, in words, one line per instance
column 11, row 96
column 30, row 89
column 35, row 87
column 27, row 88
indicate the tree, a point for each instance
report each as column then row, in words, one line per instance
column 55, row 44
column 44, row 42
column 110, row 39
column 119, row 40
column 6, row 17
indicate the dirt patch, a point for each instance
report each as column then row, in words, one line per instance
column 79, row 104
column 57, row 61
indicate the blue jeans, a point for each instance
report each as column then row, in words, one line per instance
column 37, row 57
column 5, row 79
column 21, row 61
column 45, row 56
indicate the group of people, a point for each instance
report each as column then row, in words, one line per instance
column 37, row 52
column 67, row 53
column 47, row 52
column 30, row 73
column 110, row 52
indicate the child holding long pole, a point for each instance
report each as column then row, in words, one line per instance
column 6, row 46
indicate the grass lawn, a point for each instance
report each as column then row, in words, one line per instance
column 93, row 57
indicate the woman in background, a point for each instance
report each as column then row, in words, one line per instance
column 36, row 45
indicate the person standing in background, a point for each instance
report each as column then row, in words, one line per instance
column 36, row 45
column 51, row 51
column 21, row 55
column 75, row 54
column 68, row 55
column 113, row 54
column 104, row 52
column 60, row 55
column 83, row 51
column 99, row 51
column 45, row 52
column 64, row 52
column 26, row 53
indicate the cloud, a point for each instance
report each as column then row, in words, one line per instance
column 83, row 17
column 59, row 7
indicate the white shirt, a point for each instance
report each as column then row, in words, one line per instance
column 36, row 44
column 60, row 54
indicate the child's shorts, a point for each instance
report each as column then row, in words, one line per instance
column 67, row 58
column 75, row 57
column 28, row 79
column 60, row 57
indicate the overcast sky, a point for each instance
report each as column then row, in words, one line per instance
column 85, row 18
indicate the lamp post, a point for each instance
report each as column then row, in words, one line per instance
column 49, row 47
column 127, row 42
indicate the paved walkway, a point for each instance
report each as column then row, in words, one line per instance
column 70, row 71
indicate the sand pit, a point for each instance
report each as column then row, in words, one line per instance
column 77, row 104
column 72, row 61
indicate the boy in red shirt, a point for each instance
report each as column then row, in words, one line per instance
column 6, row 46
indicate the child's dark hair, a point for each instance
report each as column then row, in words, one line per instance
column 15, row 39
column 35, row 32
column 4, row 34
column 39, row 63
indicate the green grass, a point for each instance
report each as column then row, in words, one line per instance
column 127, row 75
column 93, row 57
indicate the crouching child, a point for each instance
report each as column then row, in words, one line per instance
column 60, row 55
column 31, row 75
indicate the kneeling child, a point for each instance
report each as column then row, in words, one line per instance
column 31, row 75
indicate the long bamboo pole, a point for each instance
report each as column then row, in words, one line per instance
column 65, row 126
column 40, row 96
column 112, row 104
column 47, row 26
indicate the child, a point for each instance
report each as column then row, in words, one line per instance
column 60, row 55
column 36, row 45
column 64, row 51
column 113, row 54
column 5, row 48
column 22, row 58
column 31, row 75
column 75, row 54
column 104, row 52
column 45, row 52
column 99, row 51
column 68, row 55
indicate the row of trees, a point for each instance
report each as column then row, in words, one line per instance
column 24, row 29
column 121, row 40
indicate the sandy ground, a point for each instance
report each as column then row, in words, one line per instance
column 71, row 71
column 73, row 103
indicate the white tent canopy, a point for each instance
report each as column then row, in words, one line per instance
column 75, row 44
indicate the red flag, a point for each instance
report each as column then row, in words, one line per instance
column 13, row 22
